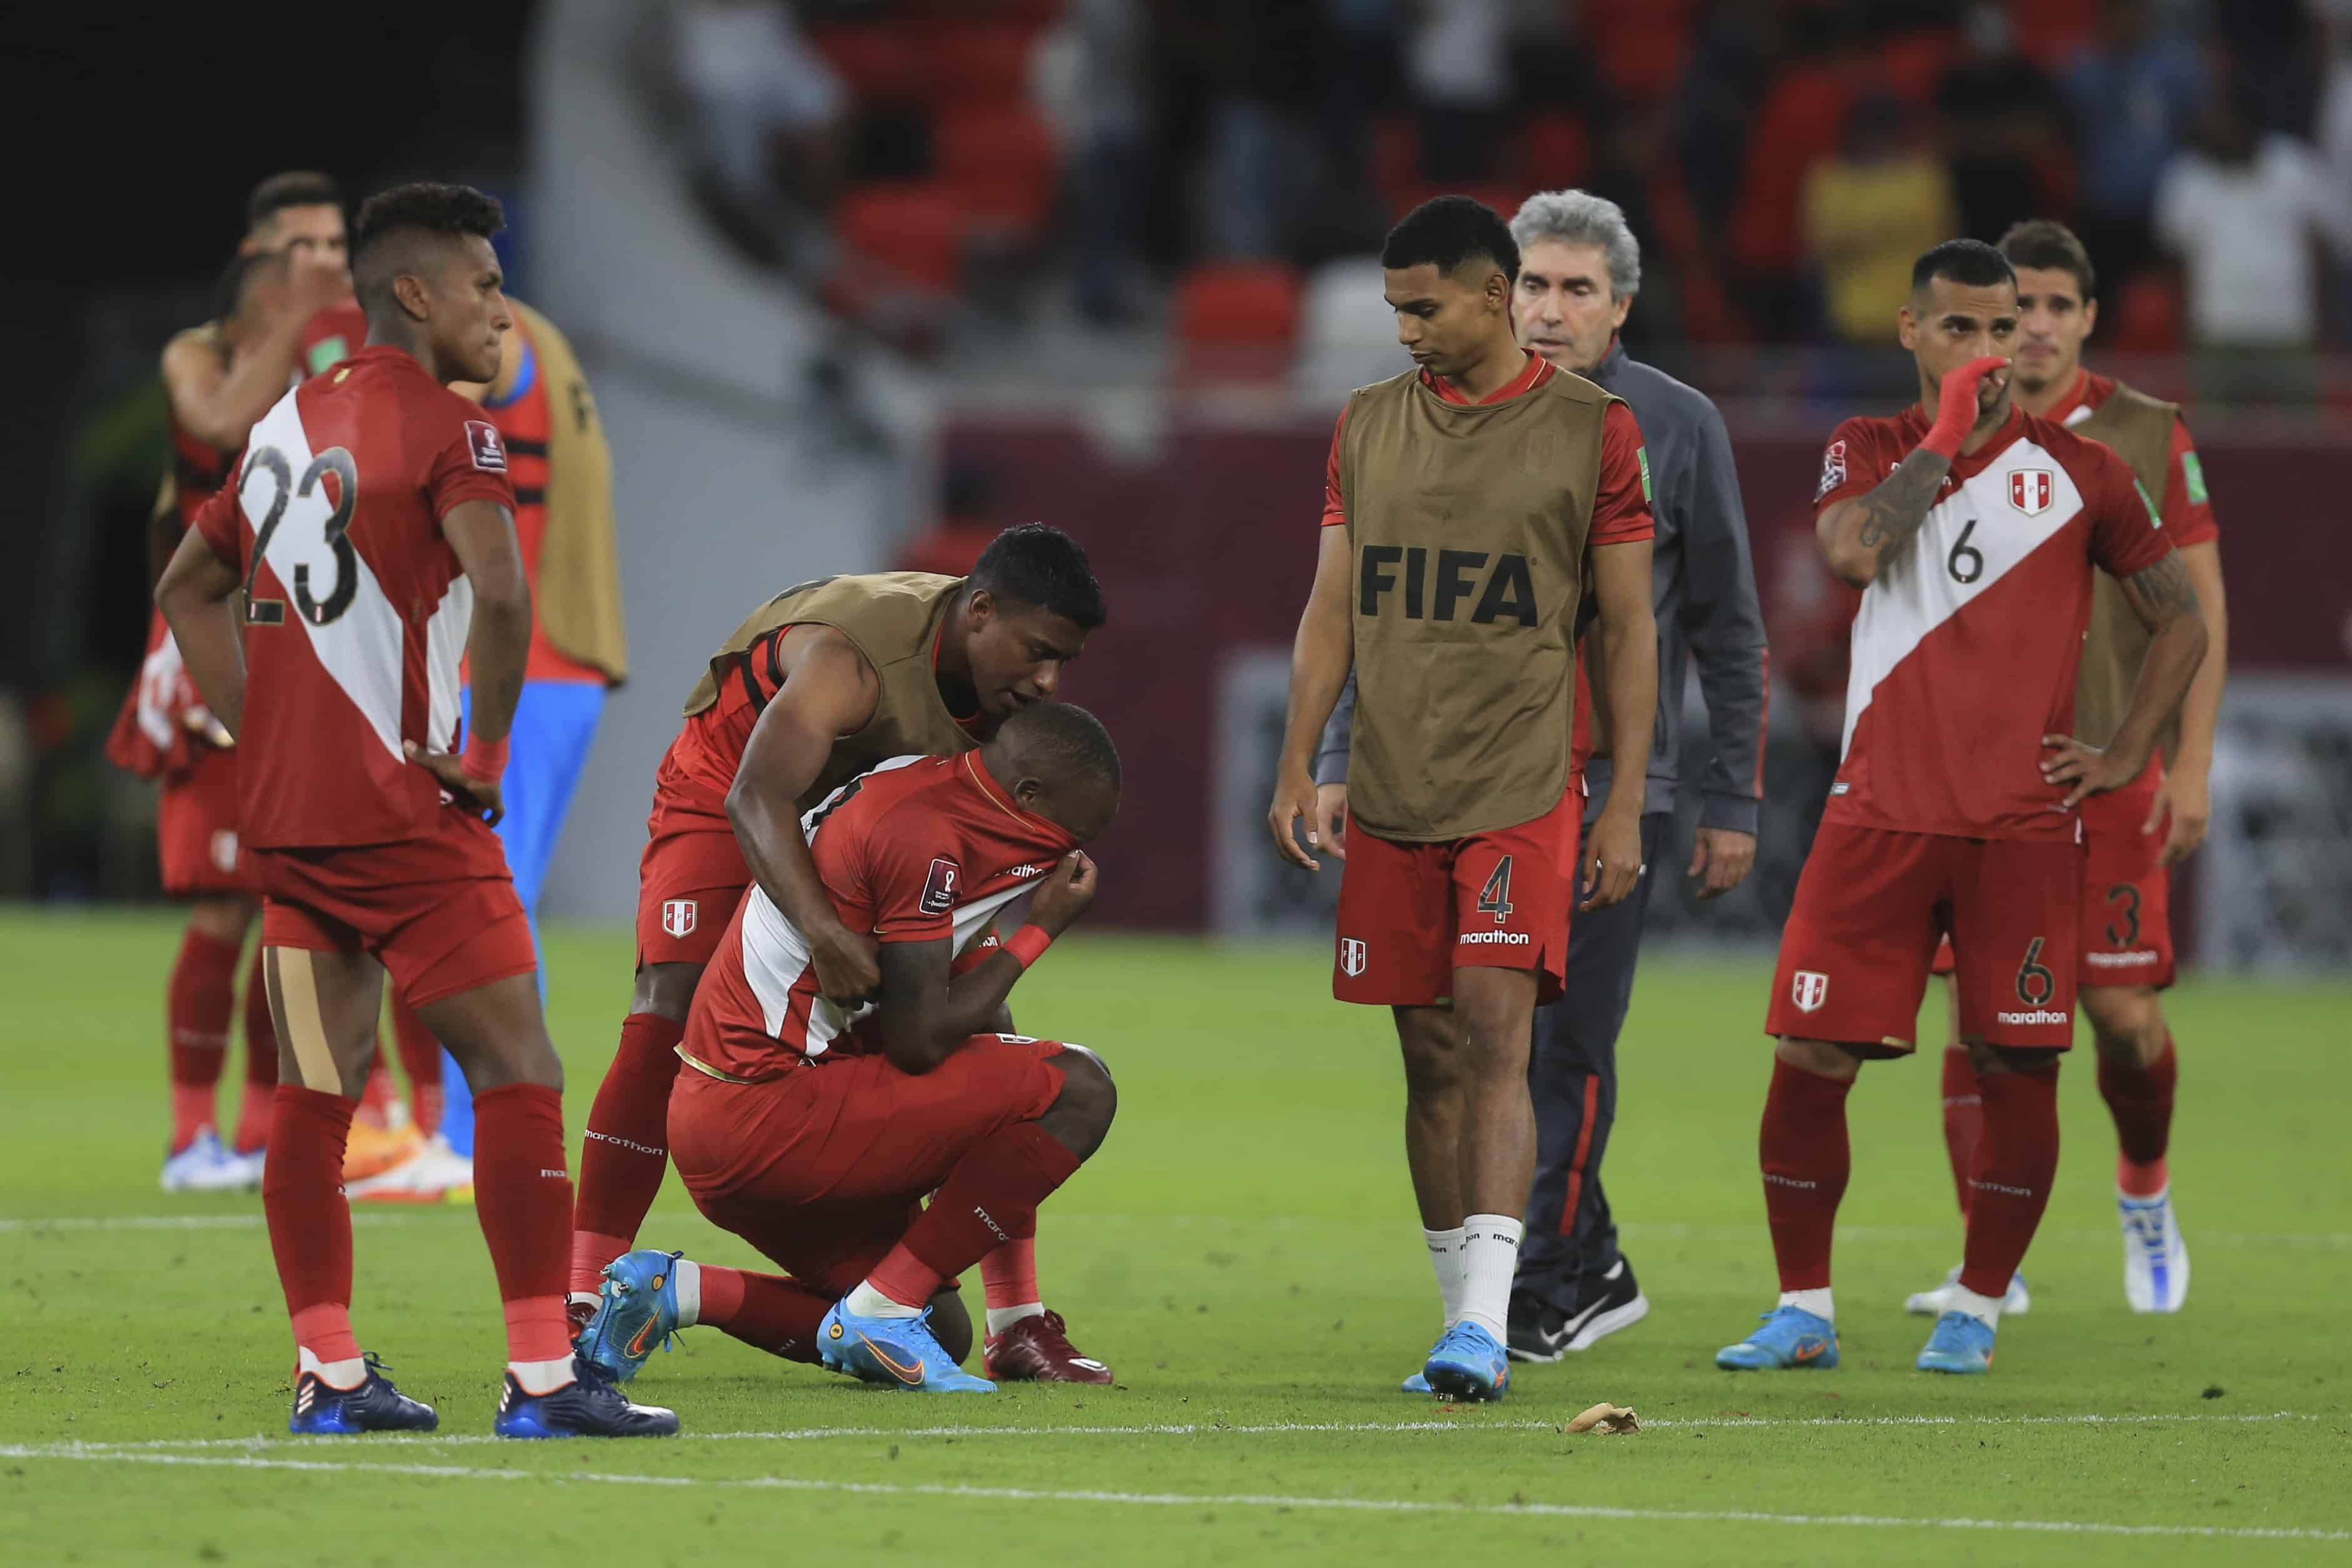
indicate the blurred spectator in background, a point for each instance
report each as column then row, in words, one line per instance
column 2334, row 135
column 2248, row 212
column 2133, row 93
column 2003, row 131
column 1458, row 64
column 1099, row 58
column 1799, row 120
column 768, row 118
column 1869, row 213
column 1254, row 63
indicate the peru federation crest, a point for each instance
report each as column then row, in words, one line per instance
column 2029, row 490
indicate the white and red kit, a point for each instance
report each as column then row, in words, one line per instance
column 1965, row 654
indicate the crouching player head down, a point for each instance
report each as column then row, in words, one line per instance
column 815, row 1133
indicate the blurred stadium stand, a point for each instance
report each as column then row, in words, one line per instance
column 826, row 263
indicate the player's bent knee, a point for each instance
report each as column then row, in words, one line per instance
column 1430, row 1040
column 1823, row 1058
column 2014, row 1058
column 667, row 990
column 2127, row 1021
column 1089, row 1099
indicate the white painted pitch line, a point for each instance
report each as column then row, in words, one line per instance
column 1184, row 1500
column 173, row 1222
column 1199, row 1428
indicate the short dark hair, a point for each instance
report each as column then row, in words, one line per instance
column 1971, row 263
column 427, row 207
column 1041, row 565
column 1447, row 231
column 294, row 188
column 2049, row 246
column 1063, row 742
column 236, row 277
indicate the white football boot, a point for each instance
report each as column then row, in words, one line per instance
column 2155, row 1260
column 204, row 1166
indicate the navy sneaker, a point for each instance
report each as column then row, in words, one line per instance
column 322, row 1410
column 587, row 1407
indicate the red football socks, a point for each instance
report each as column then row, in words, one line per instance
column 309, row 1223
column 1963, row 1118
column 625, row 1151
column 990, row 1197
column 1010, row 1273
column 198, row 1005
column 766, row 1312
column 1806, row 1159
column 523, row 1193
column 420, row 1059
column 254, row 1108
column 2140, row 1100
column 2015, row 1165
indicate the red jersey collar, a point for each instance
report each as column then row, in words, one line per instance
column 1031, row 825
column 2088, row 392
column 1968, row 465
column 1534, row 374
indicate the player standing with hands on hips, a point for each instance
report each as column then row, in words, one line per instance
column 1467, row 505
column 1974, row 541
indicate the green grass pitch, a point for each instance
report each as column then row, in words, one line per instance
column 1244, row 1253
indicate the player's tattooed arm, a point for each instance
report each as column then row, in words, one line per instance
column 2165, row 602
column 1860, row 536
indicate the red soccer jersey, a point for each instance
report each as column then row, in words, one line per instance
column 921, row 849
column 1965, row 650
column 359, row 610
column 2188, row 512
column 330, row 337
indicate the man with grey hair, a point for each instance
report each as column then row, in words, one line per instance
column 1580, row 268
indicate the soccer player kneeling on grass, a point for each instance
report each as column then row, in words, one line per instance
column 815, row 1131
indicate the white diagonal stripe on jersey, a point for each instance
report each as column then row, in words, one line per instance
column 1914, row 595
column 445, row 644
column 364, row 650
column 776, row 955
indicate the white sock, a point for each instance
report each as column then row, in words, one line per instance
column 1490, row 1257
column 1985, row 1309
column 686, row 1277
column 1002, row 1318
column 341, row 1375
column 867, row 1302
column 583, row 1298
column 538, row 1377
column 1445, row 1260
column 1817, row 1303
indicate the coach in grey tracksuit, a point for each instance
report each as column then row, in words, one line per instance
column 1580, row 267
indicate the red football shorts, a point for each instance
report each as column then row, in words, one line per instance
column 1872, row 905
column 689, row 883
column 2127, row 935
column 1410, row 914
column 439, row 913
column 195, row 830
column 824, row 1167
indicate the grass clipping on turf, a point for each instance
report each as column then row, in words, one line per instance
column 1605, row 1419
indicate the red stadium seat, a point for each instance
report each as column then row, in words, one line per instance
column 1000, row 160
column 1555, row 151
column 981, row 61
column 2148, row 315
column 1396, row 160
column 1236, row 321
column 1640, row 48
column 913, row 232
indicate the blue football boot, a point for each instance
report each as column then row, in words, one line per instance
column 1468, row 1364
column 635, row 1310
column 1959, row 1343
column 322, row 1410
column 1790, row 1338
column 1417, row 1384
column 898, row 1351
column 590, row 1405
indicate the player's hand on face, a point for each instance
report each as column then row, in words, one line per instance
column 2189, row 803
column 2066, row 760
column 848, row 965
column 1331, row 818
column 1067, row 893
column 1720, row 860
column 1294, row 797
column 1613, row 860
column 482, row 796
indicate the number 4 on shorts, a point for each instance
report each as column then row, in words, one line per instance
column 1495, row 898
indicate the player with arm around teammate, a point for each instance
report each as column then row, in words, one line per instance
column 1975, row 538
column 813, row 1130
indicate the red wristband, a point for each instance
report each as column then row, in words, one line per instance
column 1028, row 944
column 484, row 760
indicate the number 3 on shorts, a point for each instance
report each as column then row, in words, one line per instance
column 1495, row 898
